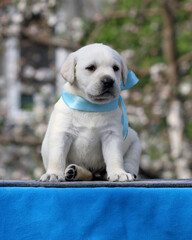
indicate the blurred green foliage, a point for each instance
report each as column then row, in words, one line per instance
column 141, row 30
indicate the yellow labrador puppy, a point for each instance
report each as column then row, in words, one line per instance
column 82, row 144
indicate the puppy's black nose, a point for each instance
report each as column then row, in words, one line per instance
column 107, row 82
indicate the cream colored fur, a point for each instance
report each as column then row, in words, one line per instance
column 85, row 143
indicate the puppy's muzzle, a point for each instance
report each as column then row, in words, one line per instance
column 107, row 83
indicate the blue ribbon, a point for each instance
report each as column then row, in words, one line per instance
column 79, row 103
column 131, row 81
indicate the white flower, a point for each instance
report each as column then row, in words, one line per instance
column 185, row 88
column 28, row 71
column 157, row 70
column 17, row 18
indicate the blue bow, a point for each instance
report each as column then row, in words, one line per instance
column 79, row 103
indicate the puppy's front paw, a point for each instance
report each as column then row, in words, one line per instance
column 121, row 176
column 52, row 178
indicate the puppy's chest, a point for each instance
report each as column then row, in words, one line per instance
column 86, row 146
column 89, row 123
column 87, row 128
column 92, row 125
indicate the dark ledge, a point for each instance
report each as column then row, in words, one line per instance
column 152, row 183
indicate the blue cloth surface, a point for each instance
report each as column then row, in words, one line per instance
column 95, row 213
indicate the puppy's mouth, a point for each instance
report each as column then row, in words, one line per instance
column 105, row 96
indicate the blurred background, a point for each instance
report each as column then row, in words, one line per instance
column 155, row 38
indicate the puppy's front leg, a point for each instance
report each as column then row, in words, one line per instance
column 113, row 157
column 58, row 148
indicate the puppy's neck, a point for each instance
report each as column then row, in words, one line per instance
column 73, row 90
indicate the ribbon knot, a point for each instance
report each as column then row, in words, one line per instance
column 81, row 104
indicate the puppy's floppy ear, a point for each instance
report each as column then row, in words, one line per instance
column 68, row 68
column 124, row 70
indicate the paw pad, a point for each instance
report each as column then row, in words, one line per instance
column 70, row 173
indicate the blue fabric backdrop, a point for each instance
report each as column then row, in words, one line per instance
column 95, row 213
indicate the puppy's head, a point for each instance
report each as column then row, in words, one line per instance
column 96, row 70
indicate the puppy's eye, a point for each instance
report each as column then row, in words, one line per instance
column 115, row 68
column 91, row 68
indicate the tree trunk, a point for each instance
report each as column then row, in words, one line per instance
column 174, row 116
